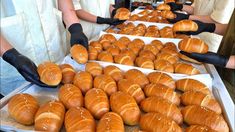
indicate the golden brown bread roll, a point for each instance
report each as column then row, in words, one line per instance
column 198, row 128
column 106, row 44
column 170, row 45
column 126, row 106
column 160, row 105
column 96, row 101
column 133, row 89
column 157, row 44
column 188, row 84
column 155, row 13
column 134, row 17
column 120, row 26
column 147, row 54
column 168, row 1
column 181, row 36
column 168, row 14
column 107, row 37
column 106, row 83
column 120, row 45
column 110, row 30
column 185, row 25
column 124, row 40
column 144, row 12
column 166, row 32
column 166, row 56
column 162, row 91
column 193, row 45
column 122, row 14
column 170, row 51
column 159, row 77
column 164, row 7
column 197, row 115
column 129, row 52
column 79, row 120
column 184, row 68
column 83, row 80
column 68, row 73
column 22, row 108
column 94, row 68
column 114, row 72
column 154, row 34
column 134, row 48
column 198, row 98
column 50, row 117
column 153, row 18
column 97, row 45
column 123, row 59
column 105, row 56
column 110, row 122
column 49, row 73
column 163, row 65
column 144, row 62
column 79, row 53
column 151, row 48
column 156, row 122
column 137, row 77
column 141, row 26
column 136, row 43
column 92, row 53
column 70, row 96
column 186, row 58
column 114, row 50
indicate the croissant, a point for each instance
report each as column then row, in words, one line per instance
column 79, row 53
column 106, row 83
column 168, row 14
column 198, row 128
column 147, row 54
column 94, row 69
column 184, row 68
column 122, row 14
column 197, row 115
column 137, row 77
column 114, row 72
column 83, row 80
column 163, row 65
column 144, row 62
column 164, row 7
column 193, row 45
column 68, row 73
column 92, row 53
column 185, row 25
column 105, row 56
column 159, row 77
column 168, row 57
column 97, row 45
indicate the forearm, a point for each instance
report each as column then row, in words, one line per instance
column 111, row 8
column 86, row 16
column 5, row 45
column 68, row 12
column 220, row 29
column 188, row 9
column 205, row 19
column 231, row 62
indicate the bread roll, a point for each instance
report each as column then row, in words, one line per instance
column 162, row 91
column 133, row 89
column 110, row 122
column 151, row 48
column 186, row 58
column 144, row 12
column 97, row 45
column 114, row 72
column 143, row 18
column 198, row 128
column 181, row 36
column 147, row 54
column 185, row 25
column 70, row 96
column 191, row 84
column 138, row 42
column 79, row 53
column 137, row 77
column 122, row 14
column 168, row 57
column 110, row 30
column 157, row 44
column 184, row 68
column 170, row 51
column 114, row 50
column 92, row 53
column 170, row 45
column 96, row 101
column 123, row 59
column 133, row 17
column 144, row 62
column 120, row 26
column 126, row 106
column 153, row 18
column 166, row 32
column 107, row 37
column 120, row 45
column 68, row 73
column 106, row 44
column 94, row 68
column 164, row 7
column 22, row 108
column 105, row 56
column 124, row 40
column 193, row 45
column 49, row 73
column 79, row 120
column 160, row 105
column 163, row 65
column 156, row 122
column 129, row 52
column 136, row 45
column 50, row 117
column 154, row 34
column 83, row 80
column 155, row 13
column 106, row 83
column 168, row 14
column 198, row 98
column 197, row 115
column 159, row 77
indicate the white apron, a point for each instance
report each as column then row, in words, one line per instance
column 35, row 29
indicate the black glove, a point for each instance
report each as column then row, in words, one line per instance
column 110, row 21
column 209, row 57
column 113, row 13
column 24, row 66
column 179, row 16
column 77, row 35
column 175, row 6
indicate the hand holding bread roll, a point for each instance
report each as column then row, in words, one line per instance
column 185, row 26
column 114, row 72
column 94, row 69
column 122, row 14
column 193, row 45
column 68, row 73
column 79, row 53
column 137, row 77
column 83, row 80
column 163, row 78
column 184, row 68
column 106, row 83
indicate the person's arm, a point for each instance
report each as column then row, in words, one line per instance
column 5, row 45
column 220, row 28
column 202, row 18
column 188, row 9
column 231, row 62
column 174, row 7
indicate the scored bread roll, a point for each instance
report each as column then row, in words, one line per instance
column 126, row 106
column 168, row 14
column 197, row 115
column 122, row 14
column 181, row 36
column 107, row 37
column 97, row 45
column 162, row 91
column 157, row 44
column 79, row 119
column 137, row 77
column 156, row 122
column 114, row 72
column 163, row 78
column 166, row 32
column 110, row 30
column 79, row 53
column 144, row 62
column 198, row 98
column 22, row 108
column 134, row 17
column 151, row 48
column 94, row 68
column 110, row 122
column 114, row 50
column 129, row 52
column 164, row 7
column 160, row 105
column 144, row 12
column 92, row 53
column 168, row 57
column 133, row 89
column 96, row 101
column 124, row 40
column 106, row 44
column 184, row 68
column 193, row 45
column 106, row 83
column 163, row 65
column 83, row 80
column 50, row 117
column 147, row 54
column 191, row 84
column 70, row 96
column 120, row 45
column 49, row 73
column 68, row 73
column 198, row 128
column 170, row 45
column 185, row 25
column 123, row 59
column 105, row 56
column 170, row 51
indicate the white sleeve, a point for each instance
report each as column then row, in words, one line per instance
column 112, row 2
column 76, row 4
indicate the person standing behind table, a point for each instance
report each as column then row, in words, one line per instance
column 208, row 11
column 95, row 15
column 32, row 32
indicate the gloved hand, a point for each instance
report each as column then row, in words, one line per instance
column 210, row 57
column 179, row 16
column 175, row 6
column 24, row 66
column 110, row 21
column 113, row 13
column 77, row 35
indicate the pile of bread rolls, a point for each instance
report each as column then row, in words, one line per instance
column 114, row 98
